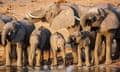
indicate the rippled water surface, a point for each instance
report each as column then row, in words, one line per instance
column 61, row 69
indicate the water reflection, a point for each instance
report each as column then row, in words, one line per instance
column 67, row 69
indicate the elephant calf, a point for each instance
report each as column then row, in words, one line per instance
column 40, row 41
column 82, row 40
column 57, row 44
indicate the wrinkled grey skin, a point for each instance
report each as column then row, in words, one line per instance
column 57, row 42
column 40, row 42
column 17, row 32
column 105, row 23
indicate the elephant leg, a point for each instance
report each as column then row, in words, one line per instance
column 8, row 51
column 79, row 56
column 87, row 56
column 31, row 55
column 54, row 57
column 25, row 56
column 19, row 54
column 63, row 54
column 3, row 58
column 38, row 58
column 102, row 52
column 108, row 49
column 97, row 44
column 74, row 56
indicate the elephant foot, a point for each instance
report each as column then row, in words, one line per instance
column 8, row 64
column 96, row 62
column 87, row 64
column 79, row 65
column 30, row 64
column 37, row 65
column 108, row 62
column 54, row 64
column 19, row 64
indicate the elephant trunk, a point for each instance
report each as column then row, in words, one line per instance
column 4, row 35
column 85, row 23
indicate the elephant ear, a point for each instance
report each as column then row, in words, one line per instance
column 64, row 19
column 20, row 34
column 110, row 22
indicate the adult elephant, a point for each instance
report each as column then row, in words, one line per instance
column 63, row 15
column 57, row 42
column 40, row 42
column 4, row 19
column 18, row 33
column 105, row 23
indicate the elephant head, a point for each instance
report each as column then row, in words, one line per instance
column 93, row 18
column 57, row 15
column 100, row 19
column 78, row 36
column 13, row 31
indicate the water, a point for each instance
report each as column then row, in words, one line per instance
column 61, row 69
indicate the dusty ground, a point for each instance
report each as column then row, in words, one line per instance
column 20, row 8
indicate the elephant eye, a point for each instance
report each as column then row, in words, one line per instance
column 88, row 22
column 94, row 19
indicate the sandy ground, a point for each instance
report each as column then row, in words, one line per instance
column 20, row 8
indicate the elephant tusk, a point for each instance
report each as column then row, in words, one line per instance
column 30, row 15
column 77, row 18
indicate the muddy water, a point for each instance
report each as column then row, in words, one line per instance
column 60, row 69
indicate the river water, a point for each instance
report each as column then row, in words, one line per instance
column 61, row 69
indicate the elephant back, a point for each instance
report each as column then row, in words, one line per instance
column 44, row 38
column 65, row 18
column 29, row 27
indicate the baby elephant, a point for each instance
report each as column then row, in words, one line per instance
column 82, row 40
column 57, row 44
column 40, row 42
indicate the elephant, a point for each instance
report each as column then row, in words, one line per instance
column 40, row 42
column 105, row 23
column 18, row 33
column 4, row 19
column 83, row 41
column 63, row 15
column 57, row 43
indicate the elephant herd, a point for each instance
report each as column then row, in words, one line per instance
column 93, row 35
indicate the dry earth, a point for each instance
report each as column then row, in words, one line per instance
column 20, row 8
